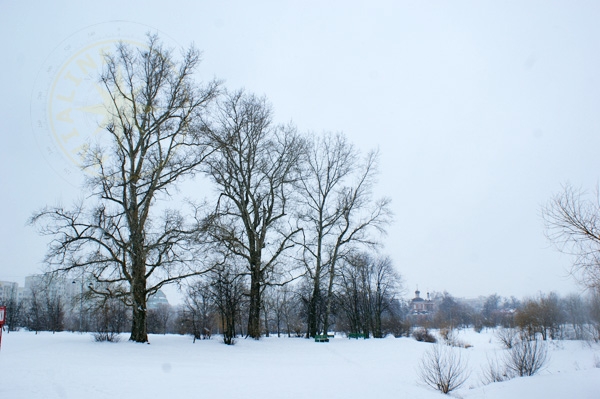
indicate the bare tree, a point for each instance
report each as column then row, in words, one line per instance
column 54, row 306
column 45, row 304
column 594, row 313
column 490, row 311
column 280, row 300
column 386, row 284
column 541, row 315
column 443, row 368
column 290, row 308
column 353, row 296
column 158, row 319
column 110, row 317
column 451, row 313
column 228, row 289
column 254, row 165
column 119, row 238
column 576, row 312
column 330, row 161
column 35, row 317
column 14, row 310
column 572, row 222
column 338, row 213
column 367, row 289
column 527, row 357
column 198, row 310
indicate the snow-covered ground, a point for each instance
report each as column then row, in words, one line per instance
column 68, row 365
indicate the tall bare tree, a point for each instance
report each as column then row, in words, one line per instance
column 330, row 160
column 254, row 166
column 368, row 288
column 338, row 213
column 572, row 221
column 120, row 237
column 227, row 293
column 198, row 314
column 386, row 284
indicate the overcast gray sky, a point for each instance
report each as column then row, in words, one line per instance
column 481, row 110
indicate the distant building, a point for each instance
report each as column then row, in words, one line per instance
column 420, row 305
column 156, row 300
column 70, row 290
column 10, row 291
column 55, row 287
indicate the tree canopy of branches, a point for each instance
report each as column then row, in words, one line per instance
column 118, row 237
column 284, row 202
column 542, row 315
column 572, row 222
column 254, row 166
column 337, row 213
column 451, row 313
column 198, row 308
column 367, row 288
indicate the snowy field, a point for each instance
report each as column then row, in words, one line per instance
column 69, row 365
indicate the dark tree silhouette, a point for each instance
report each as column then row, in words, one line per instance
column 118, row 237
column 254, row 166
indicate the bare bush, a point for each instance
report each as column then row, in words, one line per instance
column 443, row 368
column 107, row 336
column 496, row 371
column 450, row 338
column 447, row 334
column 507, row 337
column 423, row 335
column 527, row 357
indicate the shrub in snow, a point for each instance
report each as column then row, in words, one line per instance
column 524, row 358
column 106, row 337
column 399, row 328
column 447, row 334
column 496, row 371
column 422, row 335
column 507, row 337
column 443, row 368
column 450, row 338
column 527, row 357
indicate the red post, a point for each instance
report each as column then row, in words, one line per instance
column 2, row 319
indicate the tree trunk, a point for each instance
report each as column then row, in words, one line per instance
column 315, row 299
column 312, row 309
column 266, row 314
column 377, row 330
column 139, row 330
column 329, row 297
column 254, row 306
column 278, row 325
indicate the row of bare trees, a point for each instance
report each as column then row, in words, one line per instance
column 364, row 300
column 45, row 306
column 285, row 207
column 549, row 316
column 368, row 291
